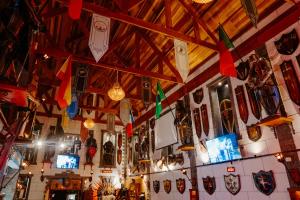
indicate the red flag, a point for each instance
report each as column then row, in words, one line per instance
column 63, row 95
column 129, row 126
column 75, row 9
column 227, row 67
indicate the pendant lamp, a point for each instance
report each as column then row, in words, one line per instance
column 89, row 123
column 116, row 92
column 203, row 1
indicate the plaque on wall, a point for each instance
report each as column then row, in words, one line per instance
column 204, row 117
column 242, row 104
column 108, row 149
column 264, row 181
column 197, row 122
column 254, row 104
column 291, row 80
column 288, row 43
column 209, row 184
column 232, row 183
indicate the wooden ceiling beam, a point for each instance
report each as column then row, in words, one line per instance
column 158, row 28
column 57, row 53
column 54, row 12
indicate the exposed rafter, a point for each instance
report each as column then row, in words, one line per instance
column 158, row 28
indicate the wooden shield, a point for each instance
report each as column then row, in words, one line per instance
column 209, row 184
column 264, row 181
column 120, row 140
column 180, row 184
column 227, row 115
column 291, row 80
column 254, row 132
column 254, row 104
column 152, row 123
column 156, row 186
column 197, row 122
column 198, row 96
column 243, row 70
column 269, row 97
column 232, row 183
column 242, row 104
column 119, row 156
column 204, row 117
column 167, row 186
column 288, row 43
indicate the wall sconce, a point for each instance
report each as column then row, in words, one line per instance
column 42, row 178
column 280, row 157
column 184, row 172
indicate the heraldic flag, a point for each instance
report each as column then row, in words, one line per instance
column 227, row 67
column 63, row 95
column 159, row 97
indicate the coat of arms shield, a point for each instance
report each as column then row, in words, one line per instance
column 167, row 186
column 254, row 132
column 232, row 183
column 209, row 184
column 156, row 186
column 198, row 96
column 288, row 43
column 264, row 181
column 180, row 184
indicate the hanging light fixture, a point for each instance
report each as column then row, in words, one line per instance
column 116, row 93
column 202, row 1
column 89, row 123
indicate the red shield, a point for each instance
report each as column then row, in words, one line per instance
column 242, row 104
column 119, row 156
column 180, row 184
column 204, row 117
column 197, row 122
column 291, row 80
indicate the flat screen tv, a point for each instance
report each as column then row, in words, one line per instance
column 223, row 148
column 67, row 161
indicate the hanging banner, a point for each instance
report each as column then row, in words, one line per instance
column 99, row 36
column 251, row 10
column 242, row 103
column 125, row 111
column 182, row 58
column 110, row 122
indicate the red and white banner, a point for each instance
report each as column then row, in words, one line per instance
column 99, row 36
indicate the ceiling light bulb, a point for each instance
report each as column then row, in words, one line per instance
column 203, row 1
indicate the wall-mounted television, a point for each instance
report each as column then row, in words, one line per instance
column 67, row 161
column 223, row 148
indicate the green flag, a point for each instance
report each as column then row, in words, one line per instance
column 159, row 97
column 224, row 37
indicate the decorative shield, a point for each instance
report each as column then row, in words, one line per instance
column 254, row 132
column 227, row 115
column 288, row 43
column 153, row 141
column 152, row 123
column 167, row 186
column 204, row 116
column 232, row 183
column 243, row 70
column 198, row 96
column 264, row 181
column 209, row 184
column 120, row 140
column 269, row 97
column 180, row 184
column 197, row 122
column 99, row 36
column 119, row 156
column 242, row 104
column 156, row 186
column 291, row 80
column 254, row 104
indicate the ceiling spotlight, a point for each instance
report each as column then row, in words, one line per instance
column 39, row 143
column 220, row 84
column 142, row 175
column 43, row 99
column 62, row 145
column 226, row 85
column 46, row 56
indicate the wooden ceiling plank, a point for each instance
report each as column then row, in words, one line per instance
column 197, row 18
column 54, row 12
column 162, row 57
column 158, row 28
column 137, row 50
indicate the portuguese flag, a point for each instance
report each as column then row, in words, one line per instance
column 227, row 67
